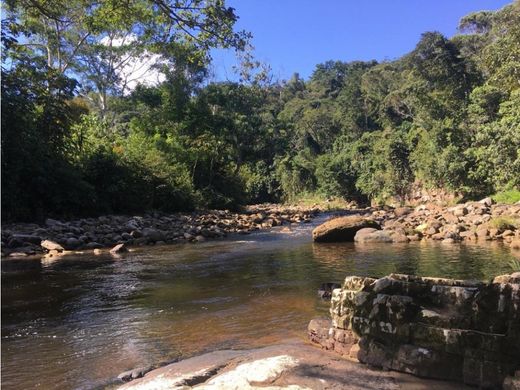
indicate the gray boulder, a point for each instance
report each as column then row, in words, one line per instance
column 372, row 235
column 153, row 235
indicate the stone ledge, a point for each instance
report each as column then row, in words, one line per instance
column 430, row 327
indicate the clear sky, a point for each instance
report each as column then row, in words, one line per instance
column 295, row 35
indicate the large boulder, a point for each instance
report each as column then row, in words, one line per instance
column 153, row 235
column 372, row 235
column 342, row 228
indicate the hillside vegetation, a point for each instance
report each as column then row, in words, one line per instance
column 76, row 140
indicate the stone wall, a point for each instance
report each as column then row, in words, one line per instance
column 437, row 328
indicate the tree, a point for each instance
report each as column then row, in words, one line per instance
column 98, row 40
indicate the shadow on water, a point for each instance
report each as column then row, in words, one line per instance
column 77, row 322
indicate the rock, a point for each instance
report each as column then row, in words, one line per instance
column 372, row 235
column 450, row 218
column 402, row 211
column 512, row 278
column 325, row 290
column 25, row 238
column 342, row 229
column 511, row 383
column 460, row 211
column 119, row 248
column 200, row 238
column 72, row 243
column 421, row 228
column 486, row 201
column 482, row 234
column 18, row 254
column 467, row 235
column 439, row 328
column 319, row 330
column 288, row 366
column 51, row 246
column 126, row 236
column 431, row 231
column 361, row 233
column 515, row 244
column 153, row 234
column 136, row 234
column 14, row 242
column 399, row 237
column 258, row 218
column 136, row 373
column 93, row 245
column 52, row 222
column 98, row 251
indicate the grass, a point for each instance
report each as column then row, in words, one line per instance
column 515, row 265
column 310, row 200
column 509, row 196
column 503, row 223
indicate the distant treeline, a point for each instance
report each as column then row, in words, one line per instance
column 75, row 142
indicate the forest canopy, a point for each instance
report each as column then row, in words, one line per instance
column 108, row 107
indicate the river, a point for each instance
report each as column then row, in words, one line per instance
column 77, row 322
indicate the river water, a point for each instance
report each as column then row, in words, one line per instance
column 77, row 322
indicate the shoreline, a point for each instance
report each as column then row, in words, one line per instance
column 469, row 222
column 98, row 235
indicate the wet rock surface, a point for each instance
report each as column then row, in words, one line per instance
column 448, row 329
column 293, row 365
column 57, row 237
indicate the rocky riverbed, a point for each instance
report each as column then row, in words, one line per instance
column 56, row 237
column 472, row 221
column 481, row 220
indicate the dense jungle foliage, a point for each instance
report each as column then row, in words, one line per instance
column 78, row 138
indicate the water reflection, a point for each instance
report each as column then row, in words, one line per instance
column 78, row 322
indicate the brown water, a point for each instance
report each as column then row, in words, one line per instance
column 77, row 322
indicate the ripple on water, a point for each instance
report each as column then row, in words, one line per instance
column 79, row 322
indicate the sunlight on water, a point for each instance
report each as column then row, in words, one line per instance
column 79, row 322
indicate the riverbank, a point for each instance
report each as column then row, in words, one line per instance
column 483, row 220
column 89, row 234
column 472, row 221
column 292, row 365
column 99, row 316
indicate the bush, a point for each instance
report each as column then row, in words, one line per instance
column 504, row 223
column 508, row 196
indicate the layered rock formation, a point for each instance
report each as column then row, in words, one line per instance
column 437, row 328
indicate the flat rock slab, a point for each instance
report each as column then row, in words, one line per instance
column 293, row 366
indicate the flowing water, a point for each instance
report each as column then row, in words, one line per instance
column 77, row 322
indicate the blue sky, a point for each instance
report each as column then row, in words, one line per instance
column 295, row 35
